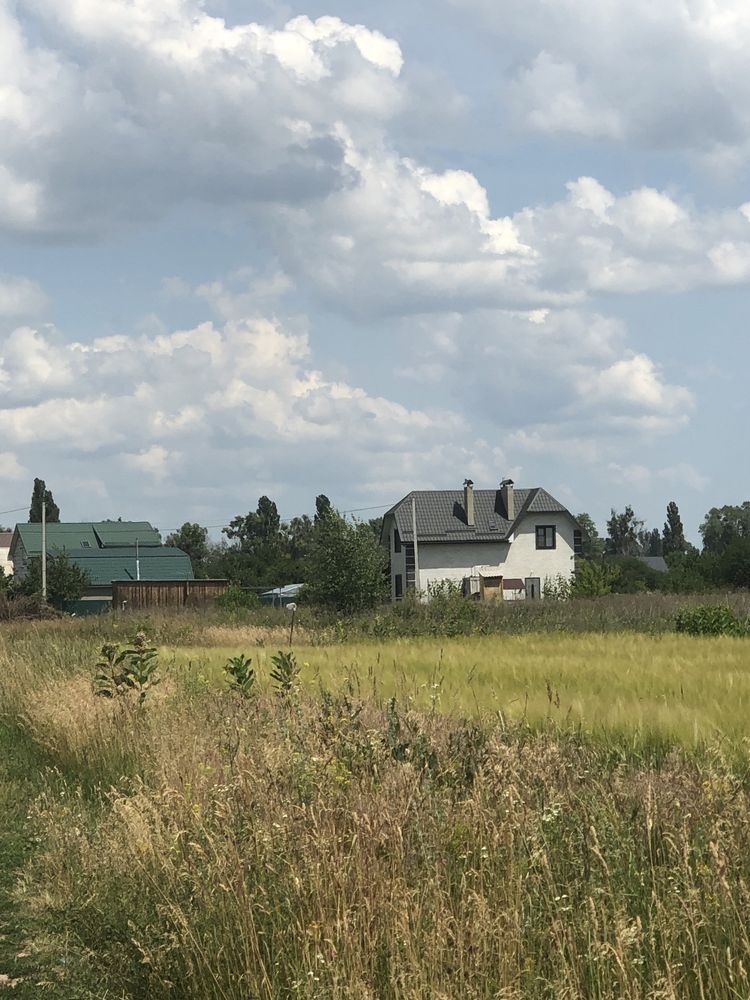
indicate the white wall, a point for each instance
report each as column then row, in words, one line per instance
column 518, row 558
column 5, row 564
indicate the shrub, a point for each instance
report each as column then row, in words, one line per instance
column 241, row 674
column 121, row 671
column 285, row 673
column 557, row 588
column 235, row 598
column 593, row 579
column 709, row 619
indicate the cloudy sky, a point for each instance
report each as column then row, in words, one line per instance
column 354, row 248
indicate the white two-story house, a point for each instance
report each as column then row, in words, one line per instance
column 501, row 544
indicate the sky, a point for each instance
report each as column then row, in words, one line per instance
column 250, row 248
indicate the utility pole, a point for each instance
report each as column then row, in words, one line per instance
column 137, row 562
column 44, row 550
column 416, row 544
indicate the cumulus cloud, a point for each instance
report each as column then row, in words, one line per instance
column 235, row 405
column 20, row 297
column 665, row 75
column 565, row 376
column 129, row 107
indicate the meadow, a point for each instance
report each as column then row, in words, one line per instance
column 538, row 815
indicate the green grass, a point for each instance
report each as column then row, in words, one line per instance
column 680, row 688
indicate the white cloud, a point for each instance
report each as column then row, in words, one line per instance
column 664, row 75
column 20, row 297
column 129, row 107
column 11, row 468
column 232, row 405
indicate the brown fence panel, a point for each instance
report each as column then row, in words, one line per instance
column 141, row 595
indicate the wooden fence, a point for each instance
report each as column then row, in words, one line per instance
column 140, row 595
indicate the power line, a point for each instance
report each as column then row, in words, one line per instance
column 15, row 510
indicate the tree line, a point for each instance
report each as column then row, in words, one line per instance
column 341, row 562
column 615, row 563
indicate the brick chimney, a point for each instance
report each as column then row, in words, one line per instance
column 469, row 502
column 506, row 492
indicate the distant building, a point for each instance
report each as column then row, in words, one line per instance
column 281, row 596
column 107, row 550
column 495, row 544
column 657, row 563
column 5, row 562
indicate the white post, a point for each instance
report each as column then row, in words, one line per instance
column 137, row 562
column 416, row 544
column 44, row 551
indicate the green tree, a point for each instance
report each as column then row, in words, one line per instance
column 733, row 565
column 66, row 581
column 650, row 542
column 673, row 535
column 593, row 578
column 193, row 539
column 623, row 533
column 722, row 525
column 299, row 538
column 593, row 543
column 347, row 565
column 40, row 494
column 322, row 507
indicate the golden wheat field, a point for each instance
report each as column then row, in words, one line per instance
column 683, row 688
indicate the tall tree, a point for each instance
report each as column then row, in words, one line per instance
column 260, row 556
column 323, row 507
column 40, row 494
column 673, row 535
column 347, row 565
column 722, row 525
column 593, row 543
column 622, row 533
column 650, row 542
column 193, row 539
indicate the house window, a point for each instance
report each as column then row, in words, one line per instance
column 578, row 542
column 546, row 536
column 85, row 544
column 396, row 541
column 399, row 584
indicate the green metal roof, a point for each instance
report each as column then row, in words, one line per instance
column 105, row 565
column 88, row 535
column 73, row 535
column 113, row 533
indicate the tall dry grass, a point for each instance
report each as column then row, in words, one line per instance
column 331, row 845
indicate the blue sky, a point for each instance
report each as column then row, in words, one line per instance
column 252, row 248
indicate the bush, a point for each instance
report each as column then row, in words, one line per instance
column 709, row 619
column 235, row 598
column 23, row 606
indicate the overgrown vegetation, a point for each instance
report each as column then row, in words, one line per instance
column 210, row 846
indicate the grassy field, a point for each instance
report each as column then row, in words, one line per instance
column 505, row 816
column 683, row 689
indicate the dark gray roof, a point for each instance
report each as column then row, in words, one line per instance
column 658, row 563
column 441, row 516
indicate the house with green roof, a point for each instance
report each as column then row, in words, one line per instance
column 108, row 551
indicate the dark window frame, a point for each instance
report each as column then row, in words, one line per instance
column 544, row 538
column 578, row 542
column 396, row 540
column 398, row 586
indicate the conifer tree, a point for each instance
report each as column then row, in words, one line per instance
column 40, row 495
column 673, row 536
